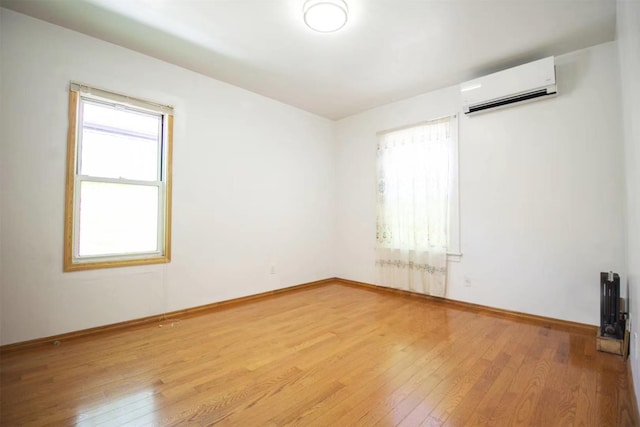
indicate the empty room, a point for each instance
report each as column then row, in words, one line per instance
column 319, row 212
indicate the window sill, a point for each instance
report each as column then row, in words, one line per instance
column 453, row 256
column 79, row 266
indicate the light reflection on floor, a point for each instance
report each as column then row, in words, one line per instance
column 131, row 409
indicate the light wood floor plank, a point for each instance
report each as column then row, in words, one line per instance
column 327, row 355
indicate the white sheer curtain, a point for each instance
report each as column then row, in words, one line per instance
column 412, row 233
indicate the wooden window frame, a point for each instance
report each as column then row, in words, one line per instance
column 73, row 263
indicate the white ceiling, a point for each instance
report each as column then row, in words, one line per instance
column 389, row 49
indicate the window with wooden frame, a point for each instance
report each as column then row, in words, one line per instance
column 118, row 186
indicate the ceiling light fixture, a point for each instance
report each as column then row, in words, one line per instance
column 325, row 16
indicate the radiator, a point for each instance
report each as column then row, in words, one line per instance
column 611, row 322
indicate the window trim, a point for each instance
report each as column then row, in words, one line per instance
column 70, row 263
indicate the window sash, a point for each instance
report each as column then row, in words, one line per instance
column 160, row 154
column 160, row 216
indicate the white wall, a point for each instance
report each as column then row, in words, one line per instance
column 253, row 185
column 257, row 182
column 628, row 35
column 541, row 192
column 2, row 166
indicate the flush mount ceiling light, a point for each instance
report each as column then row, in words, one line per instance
column 325, row 16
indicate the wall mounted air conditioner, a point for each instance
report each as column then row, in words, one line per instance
column 533, row 81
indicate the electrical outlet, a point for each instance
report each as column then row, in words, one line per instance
column 467, row 282
column 272, row 270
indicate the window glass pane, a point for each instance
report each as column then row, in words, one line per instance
column 118, row 143
column 117, row 219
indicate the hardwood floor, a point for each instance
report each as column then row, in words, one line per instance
column 332, row 355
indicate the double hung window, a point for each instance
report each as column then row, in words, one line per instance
column 118, row 190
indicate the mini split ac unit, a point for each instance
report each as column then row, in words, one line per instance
column 533, row 81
